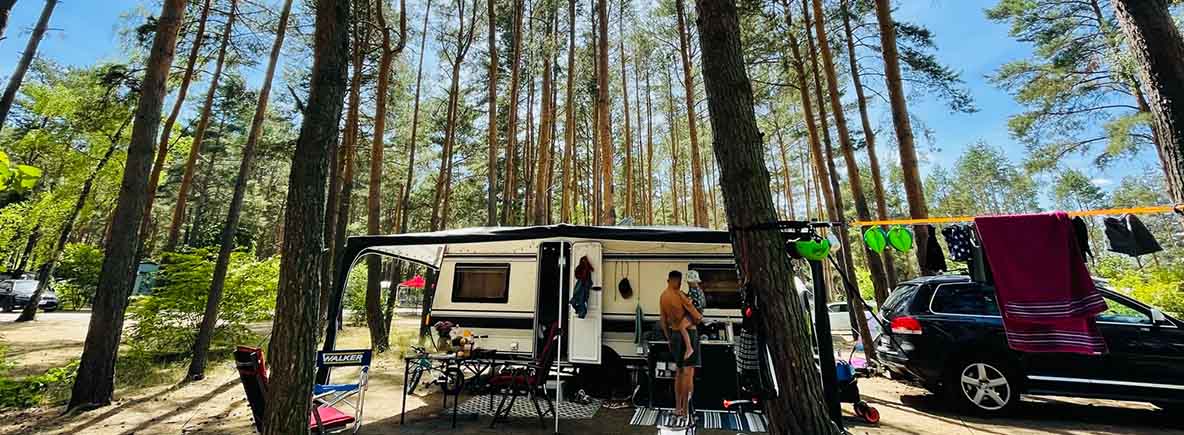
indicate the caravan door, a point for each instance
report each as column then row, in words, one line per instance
column 584, row 335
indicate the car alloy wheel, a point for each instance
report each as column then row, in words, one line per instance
column 985, row 386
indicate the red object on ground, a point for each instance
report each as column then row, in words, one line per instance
column 330, row 417
column 1045, row 292
column 414, row 282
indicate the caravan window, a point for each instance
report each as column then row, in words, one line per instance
column 481, row 282
column 721, row 285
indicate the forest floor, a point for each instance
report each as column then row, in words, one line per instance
column 217, row 405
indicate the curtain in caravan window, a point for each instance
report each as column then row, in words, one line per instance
column 481, row 283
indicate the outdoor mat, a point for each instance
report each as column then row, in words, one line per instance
column 525, row 409
column 724, row 420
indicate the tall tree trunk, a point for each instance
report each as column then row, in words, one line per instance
column 405, row 196
column 22, row 66
column 628, row 143
column 162, row 149
column 294, row 330
column 854, row 300
column 510, row 190
column 675, row 174
column 47, row 270
column 698, row 196
column 761, row 256
column 491, row 153
column 464, row 39
column 350, row 138
column 1159, row 49
column 649, row 150
column 788, row 187
column 5, row 11
column 904, row 129
column 95, row 382
column 199, row 135
column 201, row 346
column 608, row 214
column 869, row 136
column 540, row 212
column 569, row 120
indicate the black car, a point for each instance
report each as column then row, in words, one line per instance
column 946, row 334
column 15, row 294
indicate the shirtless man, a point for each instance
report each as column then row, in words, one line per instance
column 679, row 314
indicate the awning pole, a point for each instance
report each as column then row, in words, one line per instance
column 559, row 356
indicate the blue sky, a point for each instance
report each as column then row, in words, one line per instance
column 86, row 31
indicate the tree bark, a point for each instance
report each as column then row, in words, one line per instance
column 698, row 197
column 95, row 382
column 788, row 186
column 405, row 197
column 510, row 190
column 649, row 151
column 205, row 333
column 1159, row 49
column 760, row 256
column 464, row 39
column 540, row 212
column 46, row 273
column 608, row 214
column 854, row 300
column 869, row 136
column 569, row 120
column 904, row 129
column 628, row 139
column 22, row 66
column 199, row 135
column 491, row 161
column 294, row 334
column 166, row 132
column 5, row 11
column 675, row 174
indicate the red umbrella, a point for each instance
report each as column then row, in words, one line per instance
column 415, row 282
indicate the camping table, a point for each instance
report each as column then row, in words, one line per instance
column 474, row 366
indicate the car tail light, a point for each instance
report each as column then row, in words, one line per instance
column 906, row 325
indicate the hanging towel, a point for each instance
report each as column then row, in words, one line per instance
column 935, row 259
column 958, row 239
column 1129, row 236
column 1045, row 292
column 579, row 295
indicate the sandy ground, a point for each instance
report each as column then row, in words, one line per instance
column 217, row 404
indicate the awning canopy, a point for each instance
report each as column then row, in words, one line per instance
column 428, row 248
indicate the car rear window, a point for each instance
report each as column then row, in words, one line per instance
column 966, row 299
column 897, row 302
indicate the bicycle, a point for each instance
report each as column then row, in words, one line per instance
column 450, row 379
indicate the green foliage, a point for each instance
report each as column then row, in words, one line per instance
column 1072, row 190
column 17, row 177
column 78, row 274
column 984, row 181
column 52, row 387
column 1160, row 285
column 166, row 321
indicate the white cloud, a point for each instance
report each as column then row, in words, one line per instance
column 1101, row 182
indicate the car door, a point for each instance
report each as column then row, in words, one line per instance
column 1145, row 359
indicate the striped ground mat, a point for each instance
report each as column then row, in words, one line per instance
column 745, row 422
column 480, row 405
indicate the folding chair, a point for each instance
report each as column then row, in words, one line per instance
column 516, row 380
column 326, row 417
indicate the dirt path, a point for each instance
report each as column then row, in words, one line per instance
column 217, row 404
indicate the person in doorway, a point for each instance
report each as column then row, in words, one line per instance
column 678, row 313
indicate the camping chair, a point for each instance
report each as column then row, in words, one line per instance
column 326, row 417
column 529, row 379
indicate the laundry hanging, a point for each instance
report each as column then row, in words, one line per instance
column 1129, row 236
column 1045, row 292
column 1081, row 230
column 579, row 296
column 935, row 259
column 958, row 240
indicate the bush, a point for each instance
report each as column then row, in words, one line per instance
column 166, row 321
column 1160, row 285
column 52, row 387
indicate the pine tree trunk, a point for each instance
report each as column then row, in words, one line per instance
column 22, row 66
column 205, row 333
column 788, row 187
column 162, row 149
column 760, row 257
column 491, row 153
column 628, row 139
column 1159, row 49
column 698, row 197
column 5, row 11
column 904, row 129
column 199, row 135
column 405, row 196
column 46, row 274
column 649, row 151
column 540, row 212
column 95, row 382
column 569, row 121
column 510, row 190
column 873, row 158
column 675, row 174
column 294, row 335
column 854, row 301
column 608, row 214
column 464, row 39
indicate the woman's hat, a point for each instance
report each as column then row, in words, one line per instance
column 693, row 276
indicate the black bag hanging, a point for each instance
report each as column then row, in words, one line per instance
column 1129, row 236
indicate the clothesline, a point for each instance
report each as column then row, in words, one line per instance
column 1179, row 208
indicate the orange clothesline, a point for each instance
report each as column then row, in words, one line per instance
column 1099, row 212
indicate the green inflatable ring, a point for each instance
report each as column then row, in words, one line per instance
column 900, row 238
column 815, row 250
column 876, row 239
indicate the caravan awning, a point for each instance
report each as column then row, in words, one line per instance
column 428, row 248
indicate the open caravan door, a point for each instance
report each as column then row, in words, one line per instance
column 584, row 333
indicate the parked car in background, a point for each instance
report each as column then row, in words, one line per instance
column 840, row 315
column 946, row 334
column 15, row 294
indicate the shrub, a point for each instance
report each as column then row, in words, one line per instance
column 1160, row 285
column 167, row 320
column 52, row 386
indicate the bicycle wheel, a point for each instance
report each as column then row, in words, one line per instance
column 413, row 377
column 454, row 381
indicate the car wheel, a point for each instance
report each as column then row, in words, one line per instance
column 982, row 386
